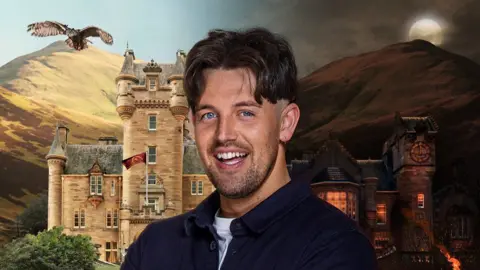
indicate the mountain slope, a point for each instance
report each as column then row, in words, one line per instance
column 58, row 76
column 358, row 96
column 40, row 89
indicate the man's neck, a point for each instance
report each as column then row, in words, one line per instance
column 233, row 208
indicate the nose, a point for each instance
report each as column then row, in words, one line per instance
column 226, row 130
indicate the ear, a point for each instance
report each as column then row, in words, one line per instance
column 289, row 120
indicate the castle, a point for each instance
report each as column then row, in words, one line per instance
column 367, row 190
column 391, row 198
column 90, row 192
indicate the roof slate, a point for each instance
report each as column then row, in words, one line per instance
column 80, row 158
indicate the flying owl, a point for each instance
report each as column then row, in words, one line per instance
column 77, row 38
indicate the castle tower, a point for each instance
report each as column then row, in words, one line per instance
column 125, row 109
column 179, row 109
column 413, row 161
column 56, row 159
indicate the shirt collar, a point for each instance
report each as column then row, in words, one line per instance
column 259, row 218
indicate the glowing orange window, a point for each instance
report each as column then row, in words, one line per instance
column 421, row 200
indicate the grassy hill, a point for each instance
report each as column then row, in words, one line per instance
column 357, row 97
column 39, row 89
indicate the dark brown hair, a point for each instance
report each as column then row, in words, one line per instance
column 268, row 55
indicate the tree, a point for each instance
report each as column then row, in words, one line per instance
column 49, row 250
column 34, row 218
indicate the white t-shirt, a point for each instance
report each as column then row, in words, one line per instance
column 222, row 226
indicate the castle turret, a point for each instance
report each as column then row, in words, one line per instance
column 179, row 109
column 178, row 100
column 56, row 159
column 125, row 109
column 124, row 82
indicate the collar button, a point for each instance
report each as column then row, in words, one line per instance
column 213, row 245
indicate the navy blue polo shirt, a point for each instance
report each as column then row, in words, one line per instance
column 291, row 230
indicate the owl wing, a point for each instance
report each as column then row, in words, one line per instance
column 93, row 31
column 47, row 28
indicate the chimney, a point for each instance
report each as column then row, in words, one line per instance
column 107, row 140
column 62, row 131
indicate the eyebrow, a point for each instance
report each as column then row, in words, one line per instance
column 238, row 104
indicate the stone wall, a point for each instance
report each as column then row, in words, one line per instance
column 190, row 200
column 168, row 142
column 75, row 194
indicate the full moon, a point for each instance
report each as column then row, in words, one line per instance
column 427, row 29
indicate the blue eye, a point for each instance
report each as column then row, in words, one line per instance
column 208, row 115
column 247, row 114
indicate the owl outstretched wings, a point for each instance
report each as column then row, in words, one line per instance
column 77, row 38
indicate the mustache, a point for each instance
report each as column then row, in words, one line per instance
column 216, row 144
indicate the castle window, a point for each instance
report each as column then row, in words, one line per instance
column 200, row 188
column 152, row 83
column 197, row 187
column 381, row 214
column 76, row 218
column 152, row 179
column 420, row 200
column 111, row 252
column 82, row 218
column 96, row 185
column 152, row 122
column 154, row 203
column 79, row 218
column 115, row 218
column 152, row 154
column 345, row 201
column 109, row 219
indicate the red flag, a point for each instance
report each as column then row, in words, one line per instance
column 138, row 158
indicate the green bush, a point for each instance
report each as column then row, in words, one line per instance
column 34, row 218
column 49, row 250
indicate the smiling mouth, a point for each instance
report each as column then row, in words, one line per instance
column 231, row 158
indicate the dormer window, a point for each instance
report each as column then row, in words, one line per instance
column 152, row 83
column 96, row 185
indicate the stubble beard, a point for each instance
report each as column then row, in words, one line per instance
column 241, row 185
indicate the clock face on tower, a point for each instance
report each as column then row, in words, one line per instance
column 420, row 152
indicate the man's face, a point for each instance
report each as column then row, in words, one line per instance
column 237, row 138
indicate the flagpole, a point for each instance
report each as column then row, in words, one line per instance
column 146, row 180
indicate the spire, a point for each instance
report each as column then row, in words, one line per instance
column 128, row 63
column 180, row 62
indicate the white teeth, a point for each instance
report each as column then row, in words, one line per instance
column 230, row 155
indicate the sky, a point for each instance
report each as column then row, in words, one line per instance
column 320, row 31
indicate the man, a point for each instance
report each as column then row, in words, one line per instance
column 241, row 88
